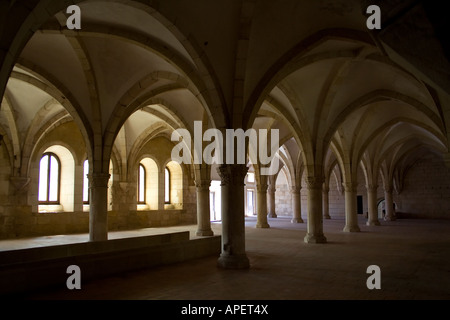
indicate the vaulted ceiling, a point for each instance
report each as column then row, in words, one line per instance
column 310, row 69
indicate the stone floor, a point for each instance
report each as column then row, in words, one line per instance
column 413, row 256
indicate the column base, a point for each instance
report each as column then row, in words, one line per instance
column 98, row 233
column 389, row 219
column 262, row 225
column 311, row 238
column 297, row 220
column 373, row 223
column 327, row 216
column 204, row 233
column 272, row 215
column 351, row 229
column 95, row 238
column 227, row 261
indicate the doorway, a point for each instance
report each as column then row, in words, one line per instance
column 359, row 204
column 250, row 202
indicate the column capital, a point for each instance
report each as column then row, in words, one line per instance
column 372, row 187
column 349, row 186
column 325, row 188
column 202, row 184
column 295, row 189
column 262, row 187
column 232, row 174
column 314, row 182
column 98, row 180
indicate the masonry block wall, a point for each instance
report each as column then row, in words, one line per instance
column 21, row 215
column 283, row 200
column 336, row 200
column 426, row 190
column 6, row 219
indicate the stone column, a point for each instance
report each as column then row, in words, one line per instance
column 314, row 222
column 233, row 254
column 372, row 219
column 203, row 209
column 261, row 203
column 389, row 204
column 271, row 202
column 98, row 213
column 296, row 205
column 325, row 202
column 351, row 215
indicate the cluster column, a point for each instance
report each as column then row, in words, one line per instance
column 98, row 214
column 314, row 221
column 233, row 254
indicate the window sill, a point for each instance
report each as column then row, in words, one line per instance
column 143, row 207
column 50, row 208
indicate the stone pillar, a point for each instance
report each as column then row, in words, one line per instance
column 372, row 205
column 351, row 215
column 233, row 254
column 314, row 222
column 98, row 214
column 271, row 201
column 261, row 203
column 296, row 205
column 389, row 204
column 325, row 202
column 203, row 209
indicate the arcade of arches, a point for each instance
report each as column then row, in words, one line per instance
column 87, row 115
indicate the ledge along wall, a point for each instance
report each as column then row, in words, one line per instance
column 31, row 269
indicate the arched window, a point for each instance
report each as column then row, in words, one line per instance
column 166, row 185
column 49, row 179
column 141, row 185
column 85, row 182
column 173, row 186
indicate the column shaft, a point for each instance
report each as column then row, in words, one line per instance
column 233, row 254
column 261, row 206
column 98, row 207
column 351, row 214
column 271, row 202
column 325, row 203
column 203, row 209
column 389, row 205
column 372, row 206
column 296, row 205
column 314, row 222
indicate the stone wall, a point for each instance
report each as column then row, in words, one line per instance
column 6, row 219
column 39, row 224
column 426, row 191
column 283, row 200
column 21, row 214
column 336, row 199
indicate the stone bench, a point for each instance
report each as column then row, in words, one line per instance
column 41, row 267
